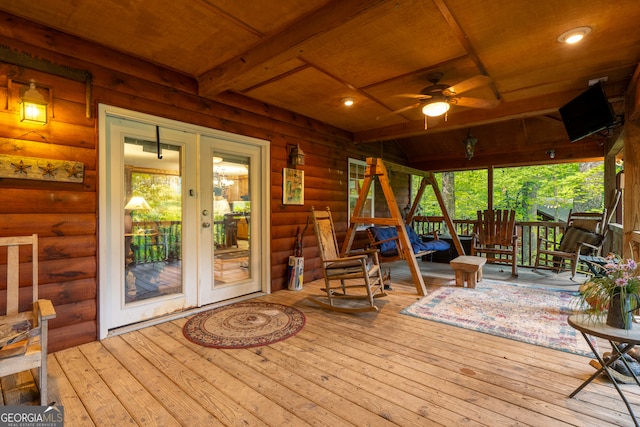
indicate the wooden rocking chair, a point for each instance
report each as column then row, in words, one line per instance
column 584, row 236
column 360, row 268
column 495, row 236
column 583, row 240
column 23, row 335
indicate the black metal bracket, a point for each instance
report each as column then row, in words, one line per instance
column 158, row 142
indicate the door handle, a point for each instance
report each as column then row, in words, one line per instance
column 206, row 224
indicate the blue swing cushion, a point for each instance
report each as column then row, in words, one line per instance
column 389, row 249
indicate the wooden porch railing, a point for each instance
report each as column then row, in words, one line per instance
column 527, row 231
column 153, row 241
column 161, row 241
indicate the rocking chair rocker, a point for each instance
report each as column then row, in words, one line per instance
column 360, row 268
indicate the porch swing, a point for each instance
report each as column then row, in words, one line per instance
column 377, row 168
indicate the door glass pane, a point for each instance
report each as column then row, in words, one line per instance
column 152, row 219
column 231, row 215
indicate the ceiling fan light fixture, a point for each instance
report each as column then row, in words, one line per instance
column 574, row 35
column 436, row 108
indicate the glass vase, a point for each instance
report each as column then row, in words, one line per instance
column 620, row 312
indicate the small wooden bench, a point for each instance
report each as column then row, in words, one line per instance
column 468, row 269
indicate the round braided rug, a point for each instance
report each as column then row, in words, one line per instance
column 244, row 324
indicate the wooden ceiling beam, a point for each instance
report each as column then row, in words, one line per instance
column 285, row 45
column 464, row 41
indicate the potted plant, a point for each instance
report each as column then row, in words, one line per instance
column 615, row 292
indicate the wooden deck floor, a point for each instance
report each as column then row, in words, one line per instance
column 372, row 369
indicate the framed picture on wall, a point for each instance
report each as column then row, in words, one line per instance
column 292, row 186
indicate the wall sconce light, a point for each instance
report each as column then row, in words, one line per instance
column 296, row 155
column 551, row 153
column 469, row 145
column 33, row 107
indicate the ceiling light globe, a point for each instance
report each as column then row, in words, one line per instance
column 435, row 109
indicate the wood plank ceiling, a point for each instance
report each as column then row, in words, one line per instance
column 307, row 55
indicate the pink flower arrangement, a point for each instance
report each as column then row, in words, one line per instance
column 618, row 276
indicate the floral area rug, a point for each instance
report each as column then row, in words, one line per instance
column 531, row 314
column 245, row 324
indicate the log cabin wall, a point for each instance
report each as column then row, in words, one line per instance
column 65, row 214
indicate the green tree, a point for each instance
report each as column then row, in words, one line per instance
column 162, row 193
column 555, row 189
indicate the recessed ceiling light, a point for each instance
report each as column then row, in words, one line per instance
column 348, row 101
column 574, row 35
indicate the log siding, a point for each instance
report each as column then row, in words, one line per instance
column 65, row 215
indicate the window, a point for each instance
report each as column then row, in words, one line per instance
column 357, row 170
column 544, row 192
column 549, row 192
column 463, row 192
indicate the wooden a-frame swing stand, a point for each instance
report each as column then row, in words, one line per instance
column 377, row 168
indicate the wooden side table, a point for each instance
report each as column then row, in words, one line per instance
column 621, row 340
column 468, row 269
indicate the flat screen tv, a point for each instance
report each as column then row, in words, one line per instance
column 588, row 113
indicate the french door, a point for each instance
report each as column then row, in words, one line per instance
column 183, row 217
column 230, row 239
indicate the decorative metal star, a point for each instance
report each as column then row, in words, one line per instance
column 74, row 171
column 48, row 170
column 21, row 167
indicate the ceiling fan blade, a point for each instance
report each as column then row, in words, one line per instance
column 466, row 85
column 414, row 95
column 476, row 102
column 417, row 104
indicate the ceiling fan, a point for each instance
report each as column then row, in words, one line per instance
column 438, row 98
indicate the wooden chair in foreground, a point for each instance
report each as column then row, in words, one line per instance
column 358, row 273
column 496, row 237
column 23, row 335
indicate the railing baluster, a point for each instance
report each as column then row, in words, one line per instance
column 528, row 233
